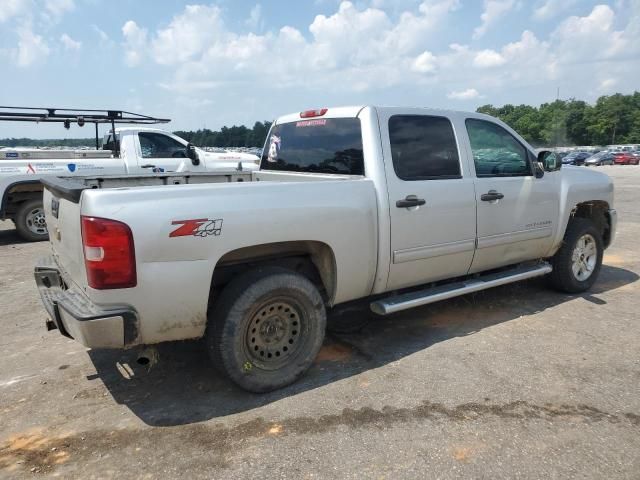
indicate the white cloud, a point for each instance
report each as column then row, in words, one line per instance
column 13, row 8
column 424, row 63
column 57, row 8
column 468, row 94
column 255, row 17
column 188, row 34
column 593, row 37
column 101, row 33
column 135, row 43
column 493, row 11
column 488, row 59
column 552, row 8
column 357, row 50
column 69, row 43
column 607, row 85
column 32, row 49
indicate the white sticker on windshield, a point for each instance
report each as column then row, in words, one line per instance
column 311, row 123
column 274, row 148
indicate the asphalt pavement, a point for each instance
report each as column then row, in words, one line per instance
column 516, row 382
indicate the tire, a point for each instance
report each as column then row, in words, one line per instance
column 30, row 221
column 286, row 341
column 348, row 319
column 568, row 275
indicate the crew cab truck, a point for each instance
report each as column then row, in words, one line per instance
column 138, row 150
column 391, row 207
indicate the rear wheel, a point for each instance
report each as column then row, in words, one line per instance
column 577, row 263
column 266, row 328
column 30, row 221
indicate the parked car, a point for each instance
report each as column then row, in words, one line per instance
column 625, row 158
column 385, row 207
column 600, row 158
column 576, row 158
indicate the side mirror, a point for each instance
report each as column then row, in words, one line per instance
column 192, row 153
column 549, row 161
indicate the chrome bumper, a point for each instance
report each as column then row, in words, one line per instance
column 75, row 316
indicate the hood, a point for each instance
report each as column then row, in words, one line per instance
column 587, row 176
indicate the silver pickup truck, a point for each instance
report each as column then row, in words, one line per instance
column 391, row 207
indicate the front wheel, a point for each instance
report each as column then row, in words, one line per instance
column 30, row 221
column 266, row 328
column 577, row 263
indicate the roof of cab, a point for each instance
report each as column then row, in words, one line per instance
column 353, row 111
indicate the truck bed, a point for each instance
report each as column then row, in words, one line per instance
column 71, row 188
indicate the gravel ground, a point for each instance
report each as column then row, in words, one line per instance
column 515, row 382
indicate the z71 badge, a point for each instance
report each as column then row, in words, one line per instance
column 200, row 227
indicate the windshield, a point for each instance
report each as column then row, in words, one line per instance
column 320, row 145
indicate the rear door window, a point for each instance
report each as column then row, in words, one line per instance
column 423, row 148
column 317, row 145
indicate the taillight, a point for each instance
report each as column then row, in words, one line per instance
column 313, row 113
column 109, row 254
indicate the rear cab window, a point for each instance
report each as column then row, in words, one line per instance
column 315, row 145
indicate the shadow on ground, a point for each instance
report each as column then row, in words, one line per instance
column 184, row 388
column 10, row 237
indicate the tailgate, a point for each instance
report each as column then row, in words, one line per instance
column 63, row 222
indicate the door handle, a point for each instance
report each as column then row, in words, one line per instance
column 491, row 195
column 410, row 201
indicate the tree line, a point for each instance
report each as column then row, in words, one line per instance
column 613, row 119
column 235, row 136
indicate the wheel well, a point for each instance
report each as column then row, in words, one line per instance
column 314, row 260
column 598, row 212
column 18, row 193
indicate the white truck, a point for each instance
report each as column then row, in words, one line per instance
column 388, row 207
column 139, row 150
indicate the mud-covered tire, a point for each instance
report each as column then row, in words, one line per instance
column 564, row 276
column 350, row 319
column 29, row 221
column 265, row 329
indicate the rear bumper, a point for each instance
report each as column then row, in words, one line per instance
column 75, row 316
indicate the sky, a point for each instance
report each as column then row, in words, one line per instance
column 226, row 62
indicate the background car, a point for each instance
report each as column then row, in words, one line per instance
column 600, row 158
column 625, row 158
column 575, row 158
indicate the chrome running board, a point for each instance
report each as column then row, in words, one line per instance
column 405, row 301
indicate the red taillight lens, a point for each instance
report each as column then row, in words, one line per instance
column 109, row 255
column 313, row 113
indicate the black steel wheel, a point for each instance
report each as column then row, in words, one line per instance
column 265, row 328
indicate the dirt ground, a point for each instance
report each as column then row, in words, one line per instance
column 515, row 382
